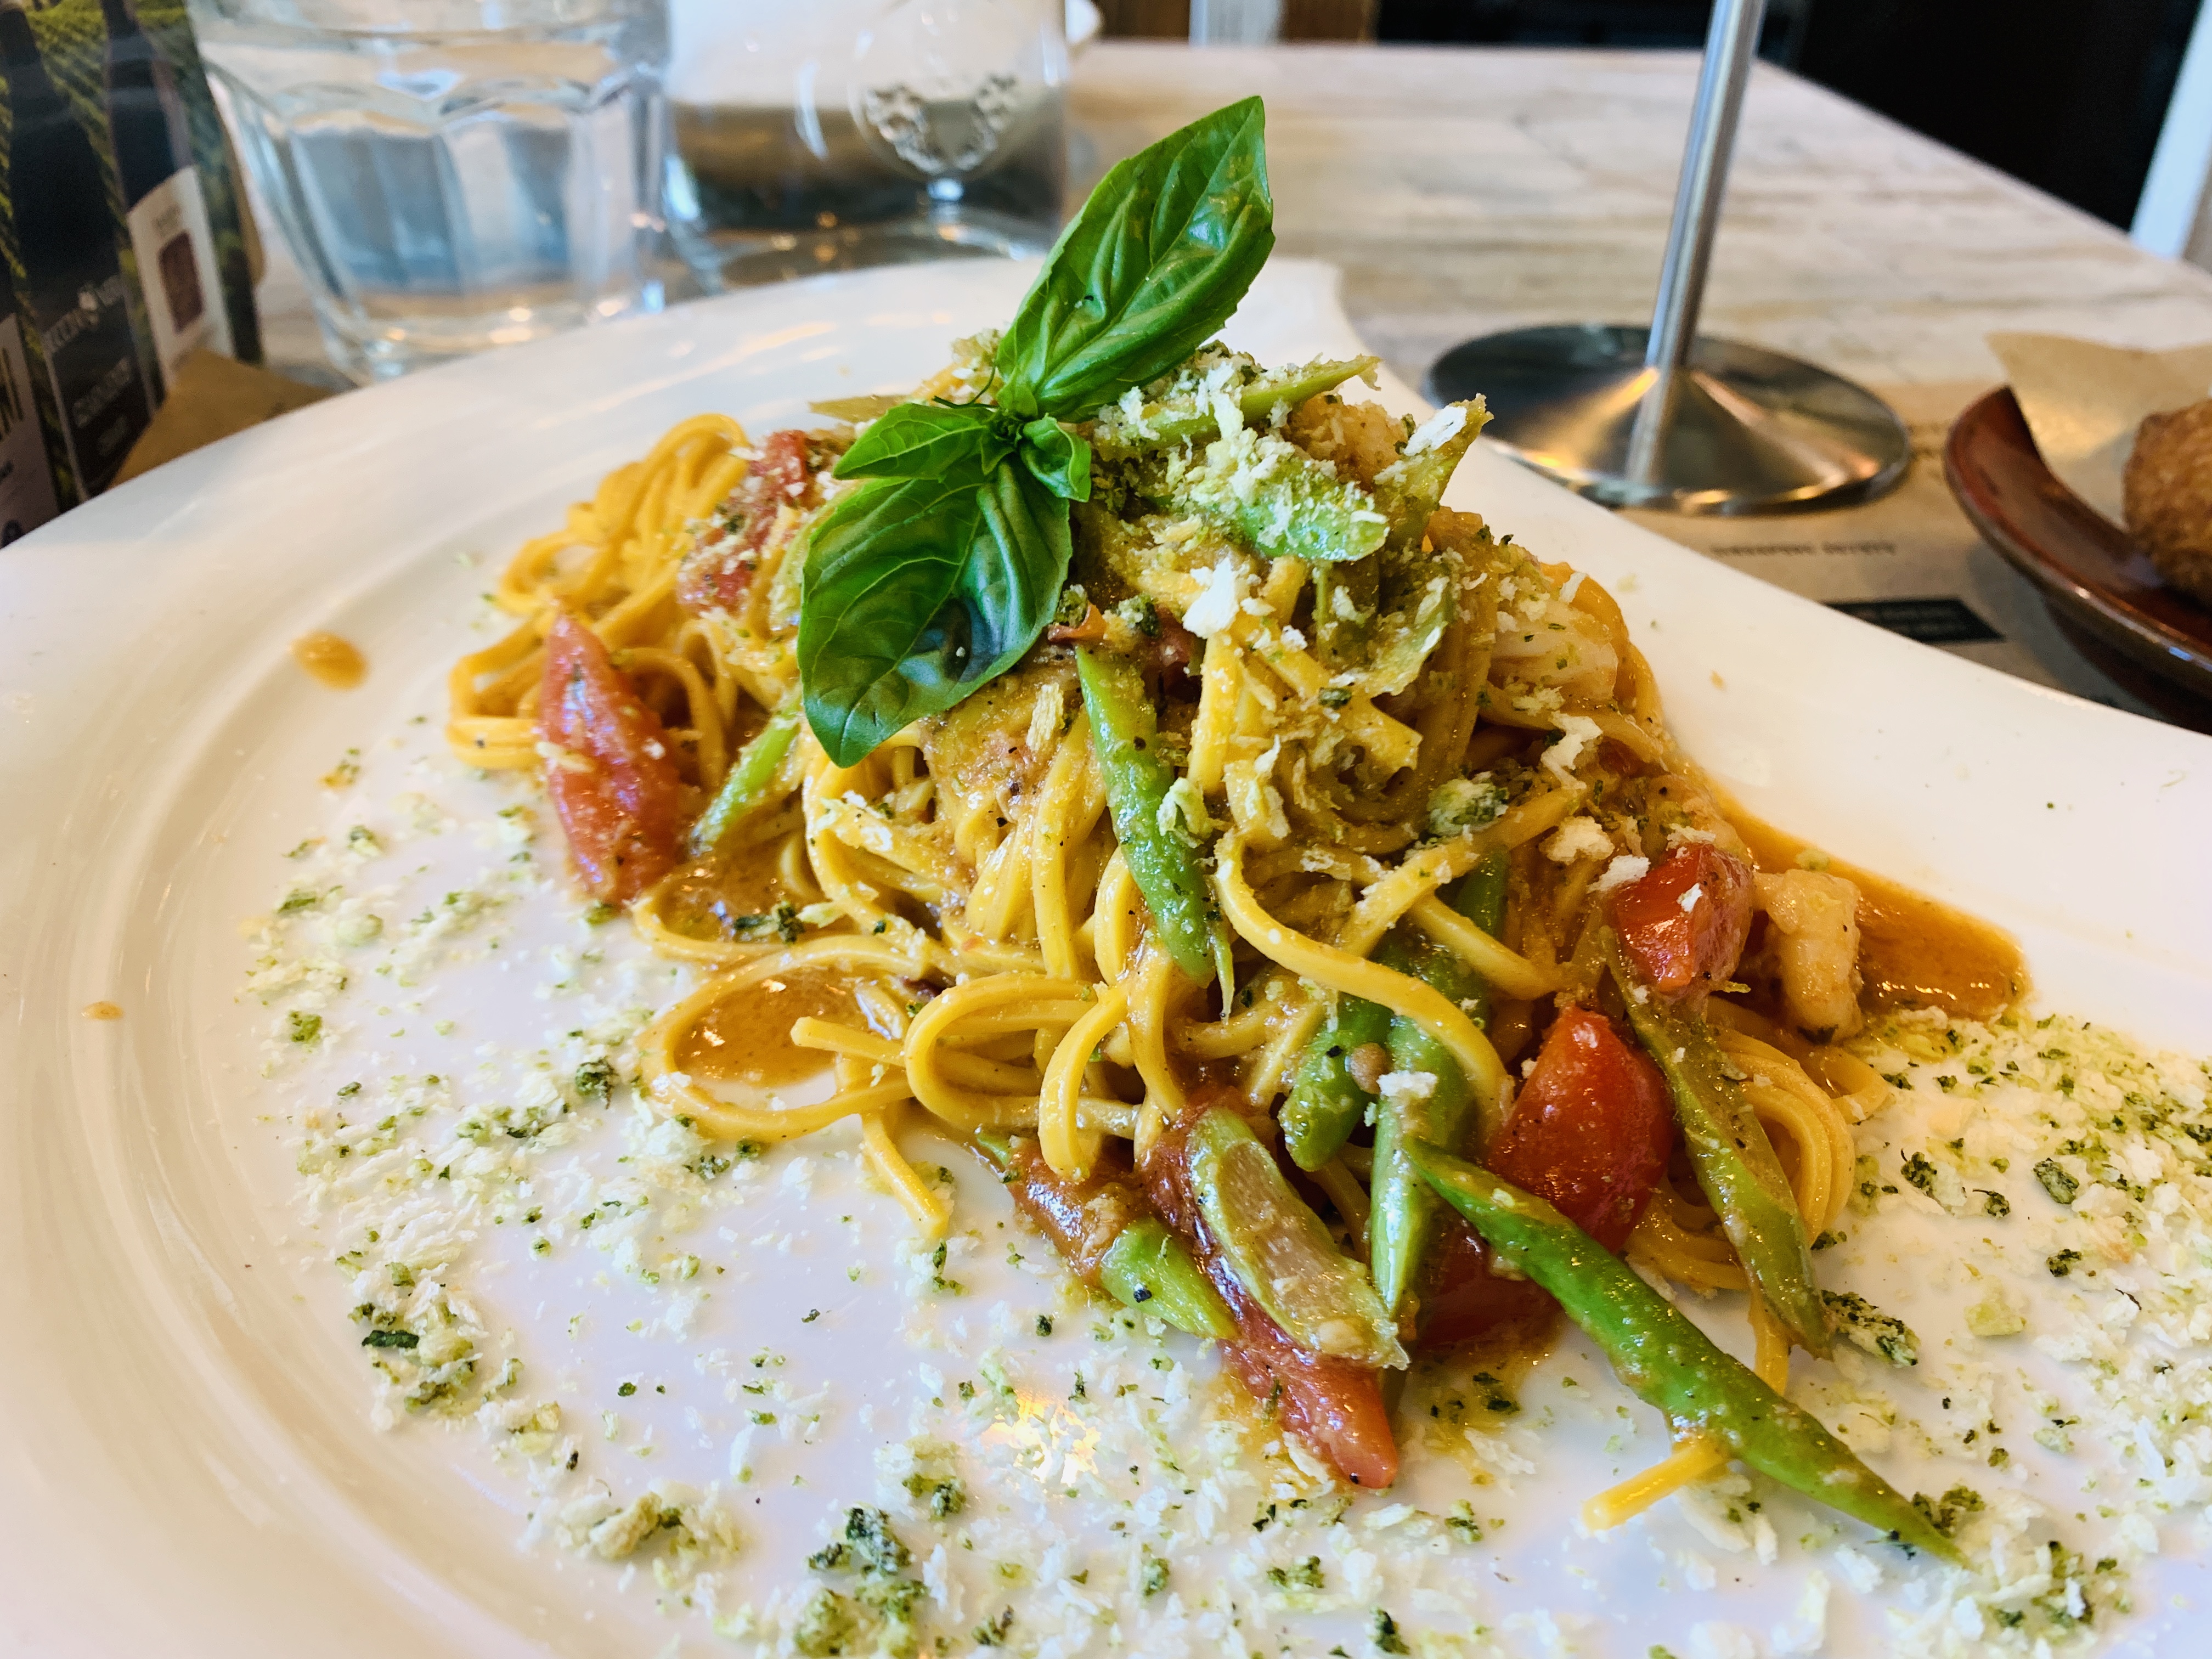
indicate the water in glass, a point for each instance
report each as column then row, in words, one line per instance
column 853, row 132
column 453, row 174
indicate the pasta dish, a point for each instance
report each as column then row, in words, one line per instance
column 1288, row 885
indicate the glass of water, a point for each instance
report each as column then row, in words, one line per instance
column 832, row 134
column 453, row 174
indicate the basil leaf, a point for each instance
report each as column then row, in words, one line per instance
column 1147, row 272
column 916, row 592
column 928, row 440
column 1057, row 459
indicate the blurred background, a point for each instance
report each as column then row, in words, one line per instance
column 2068, row 95
column 214, row 211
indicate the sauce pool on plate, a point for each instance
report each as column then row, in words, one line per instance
column 336, row 663
column 1913, row 952
column 747, row 1038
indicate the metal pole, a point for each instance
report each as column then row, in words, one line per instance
column 1731, row 43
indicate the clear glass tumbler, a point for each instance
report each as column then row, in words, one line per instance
column 453, row 174
column 837, row 133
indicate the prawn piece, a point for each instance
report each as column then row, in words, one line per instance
column 1542, row 641
column 1813, row 942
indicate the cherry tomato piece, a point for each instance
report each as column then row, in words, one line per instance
column 1081, row 1218
column 1335, row 1403
column 1683, row 923
column 613, row 785
column 1591, row 1129
column 1590, row 1133
column 715, row 578
column 1463, row 1299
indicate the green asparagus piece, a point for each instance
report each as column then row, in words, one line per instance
column 1289, row 386
column 1735, row 1161
column 747, row 783
column 1417, row 603
column 1326, row 1104
column 1282, row 1256
column 1667, row 1360
column 1402, row 1211
column 1481, row 900
column 865, row 406
column 1402, row 1221
column 1285, row 505
column 1144, row 1265
column 1408, row 491
column 1147, row 1267
column 1183, row 419
column 1165, row 865
column 1345, row 600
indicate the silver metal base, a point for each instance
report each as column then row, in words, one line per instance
column 1751, row 430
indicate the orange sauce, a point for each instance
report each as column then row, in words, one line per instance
column 746, row 1038
column 1913, row 952
column 1506, row 1356
column 336, row 663
column 710, row 900
column 1475, row 1385
column 102, row 1010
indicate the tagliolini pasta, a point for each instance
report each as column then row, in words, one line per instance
column 966, row 928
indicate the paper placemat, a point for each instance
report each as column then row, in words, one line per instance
column 1909, row 561
column 2083, row 401
column 213, row 397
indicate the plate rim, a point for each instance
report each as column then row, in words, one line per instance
column 210, row 477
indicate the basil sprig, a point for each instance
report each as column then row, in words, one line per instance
column 1151, row 267
column 937, row 573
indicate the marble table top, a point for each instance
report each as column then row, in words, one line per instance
column 1462, row 191
column 1465, row 191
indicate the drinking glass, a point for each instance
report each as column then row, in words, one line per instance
column 453, row 174
column 842, row 133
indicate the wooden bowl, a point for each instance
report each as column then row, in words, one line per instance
column 2102, row 589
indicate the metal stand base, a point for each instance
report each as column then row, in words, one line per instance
column 1738, row 429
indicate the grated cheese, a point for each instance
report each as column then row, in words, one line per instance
column 1221, row 590
column 2119, row 1417
column 1627, row 867
column 1579, row 837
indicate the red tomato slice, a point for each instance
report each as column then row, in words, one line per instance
column 717, row 577
column 1591, row 1129
column 614, row 785
column 1682, row 925
column 1464, row 1299
column 1337, row 1406
column 1590, row 1134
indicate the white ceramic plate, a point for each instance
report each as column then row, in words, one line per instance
column 185, row 1446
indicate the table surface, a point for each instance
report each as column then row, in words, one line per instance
column 1467, row 190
